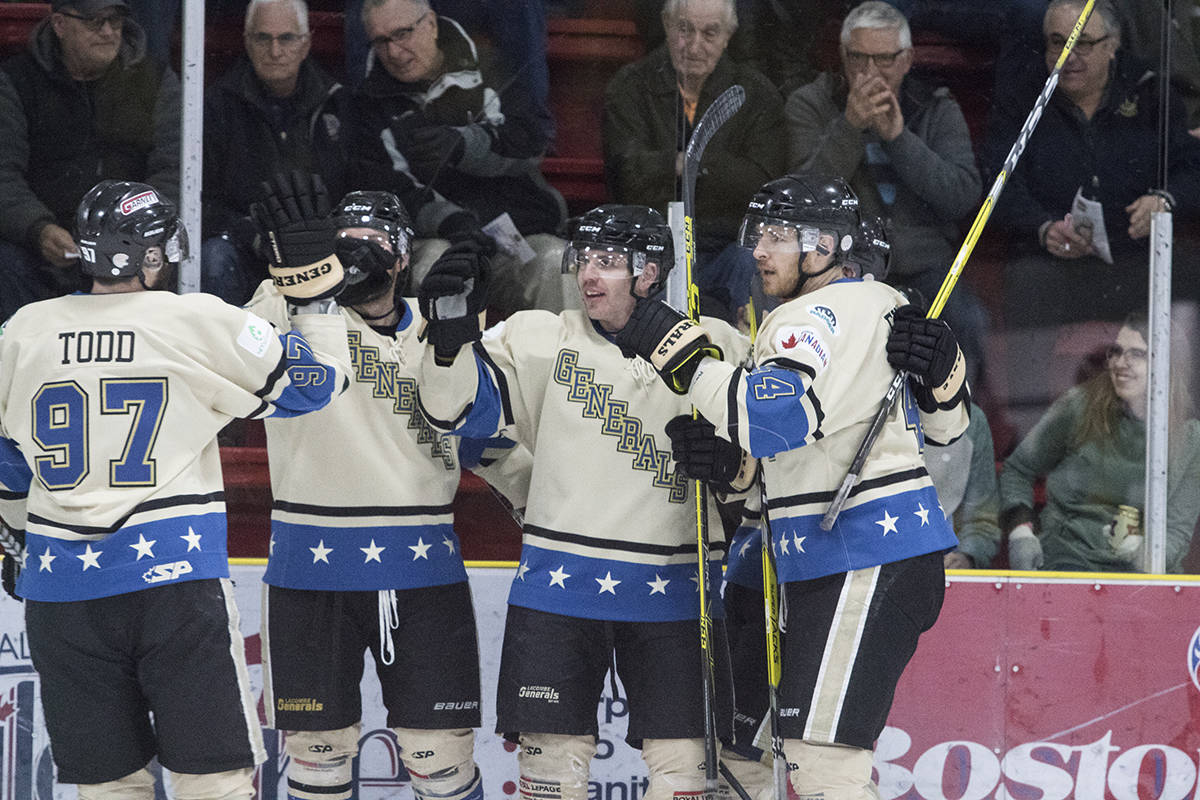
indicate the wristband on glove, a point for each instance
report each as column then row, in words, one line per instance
column 672, row 343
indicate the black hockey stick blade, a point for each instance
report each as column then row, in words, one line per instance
column 724, row 107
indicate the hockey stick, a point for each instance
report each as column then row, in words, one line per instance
column 724, row 107
column 956, row 268
column 774, row 654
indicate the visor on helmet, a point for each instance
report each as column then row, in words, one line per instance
column 618, row 260
column 781, row 235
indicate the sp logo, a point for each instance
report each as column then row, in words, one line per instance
column 320, row 748
column 422, row 753
column 167, row 572
column 533, row 751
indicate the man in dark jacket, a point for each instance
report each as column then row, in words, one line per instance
column 443, row 132
column 81, row 104
column 275, row 110
column 650, row 107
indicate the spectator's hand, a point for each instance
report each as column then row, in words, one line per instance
column 1063, row 241
column 867, row 99
column 300, row 235
column 1139, row 212
column 431, row 149
column 957, row 560
column 451, row 298
column 703, row 456
column 54, row 243
column 1024, row 549
column 888, row 123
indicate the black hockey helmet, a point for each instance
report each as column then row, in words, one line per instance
column 118, row 222
column 368, row 265
column 381, row 211
column 871, row 253
column 639, row 232
column 809, row 203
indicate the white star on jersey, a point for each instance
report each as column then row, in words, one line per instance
column 559, row 576
column 783, row 545
column 420, row 549
column 46, row 558
column 193, row 540
column 923, row 513
column 607, row 584
column 90, row 557
column 888, row 523
column 798, row 542
column 658, row 585
column 373, row 552
column 522, row 568
column 143, row 547
column 321, row 552
column 745, row 546
column 446, row 540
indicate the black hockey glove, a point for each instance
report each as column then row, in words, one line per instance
column 928, row 351
column 671, row 342
column 704, row 456
column 300, row 235
column 13, row 544
column 451, row 298
column 431, row 149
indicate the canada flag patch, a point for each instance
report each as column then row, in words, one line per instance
column 803, row 339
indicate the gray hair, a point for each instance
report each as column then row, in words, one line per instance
column 369, row 6
column 1102, row 8
column 672, row 8
column 299, row 6
column 877, row 15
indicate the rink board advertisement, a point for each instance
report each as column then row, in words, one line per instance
column 1024, row 690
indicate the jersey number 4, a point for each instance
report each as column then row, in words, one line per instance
column 60, row 428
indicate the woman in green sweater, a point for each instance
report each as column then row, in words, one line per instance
column 1090, row 447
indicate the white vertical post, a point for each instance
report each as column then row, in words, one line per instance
column 191, row 146
column 676, row 293
column 1159, row 387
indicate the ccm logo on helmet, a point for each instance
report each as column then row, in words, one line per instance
column 138, row 201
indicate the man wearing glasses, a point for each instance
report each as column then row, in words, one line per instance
column 81, row 104
column 460, row 144
column 275, row 110
column 905, row 150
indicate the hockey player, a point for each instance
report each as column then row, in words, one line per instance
column 862, row 593
column 363, row 549
column 608, row 562
column 110, row 405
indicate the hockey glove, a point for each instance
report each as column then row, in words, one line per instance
column 300, row 235
column 928, row 351
column 13, row 543
column 451, row 298
column 704, row 456
column 1024, row 549
column 671, row 342
column 431, row 149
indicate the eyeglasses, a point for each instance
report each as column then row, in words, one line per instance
column 1136, row 354
column 287, row 41
column 858, row 60
column 95, row 24
column 399, row 36
column 1056, row 43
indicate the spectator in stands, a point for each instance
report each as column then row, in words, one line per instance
column 516, row 28
column 650, row 108
column 435, row 126
column 906, row 150
column 1090, row 448
column 275, row 110
column 1098, row 137
column 964, row 473
column 81, row 104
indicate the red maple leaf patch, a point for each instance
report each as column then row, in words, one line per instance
column 789, row 342
column 6, row 711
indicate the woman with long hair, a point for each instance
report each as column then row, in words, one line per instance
column 1090, row 448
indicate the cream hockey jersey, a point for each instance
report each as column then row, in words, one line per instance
column 113, row 402
column 610, row 526
column 363, row 489
column 821, row 372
